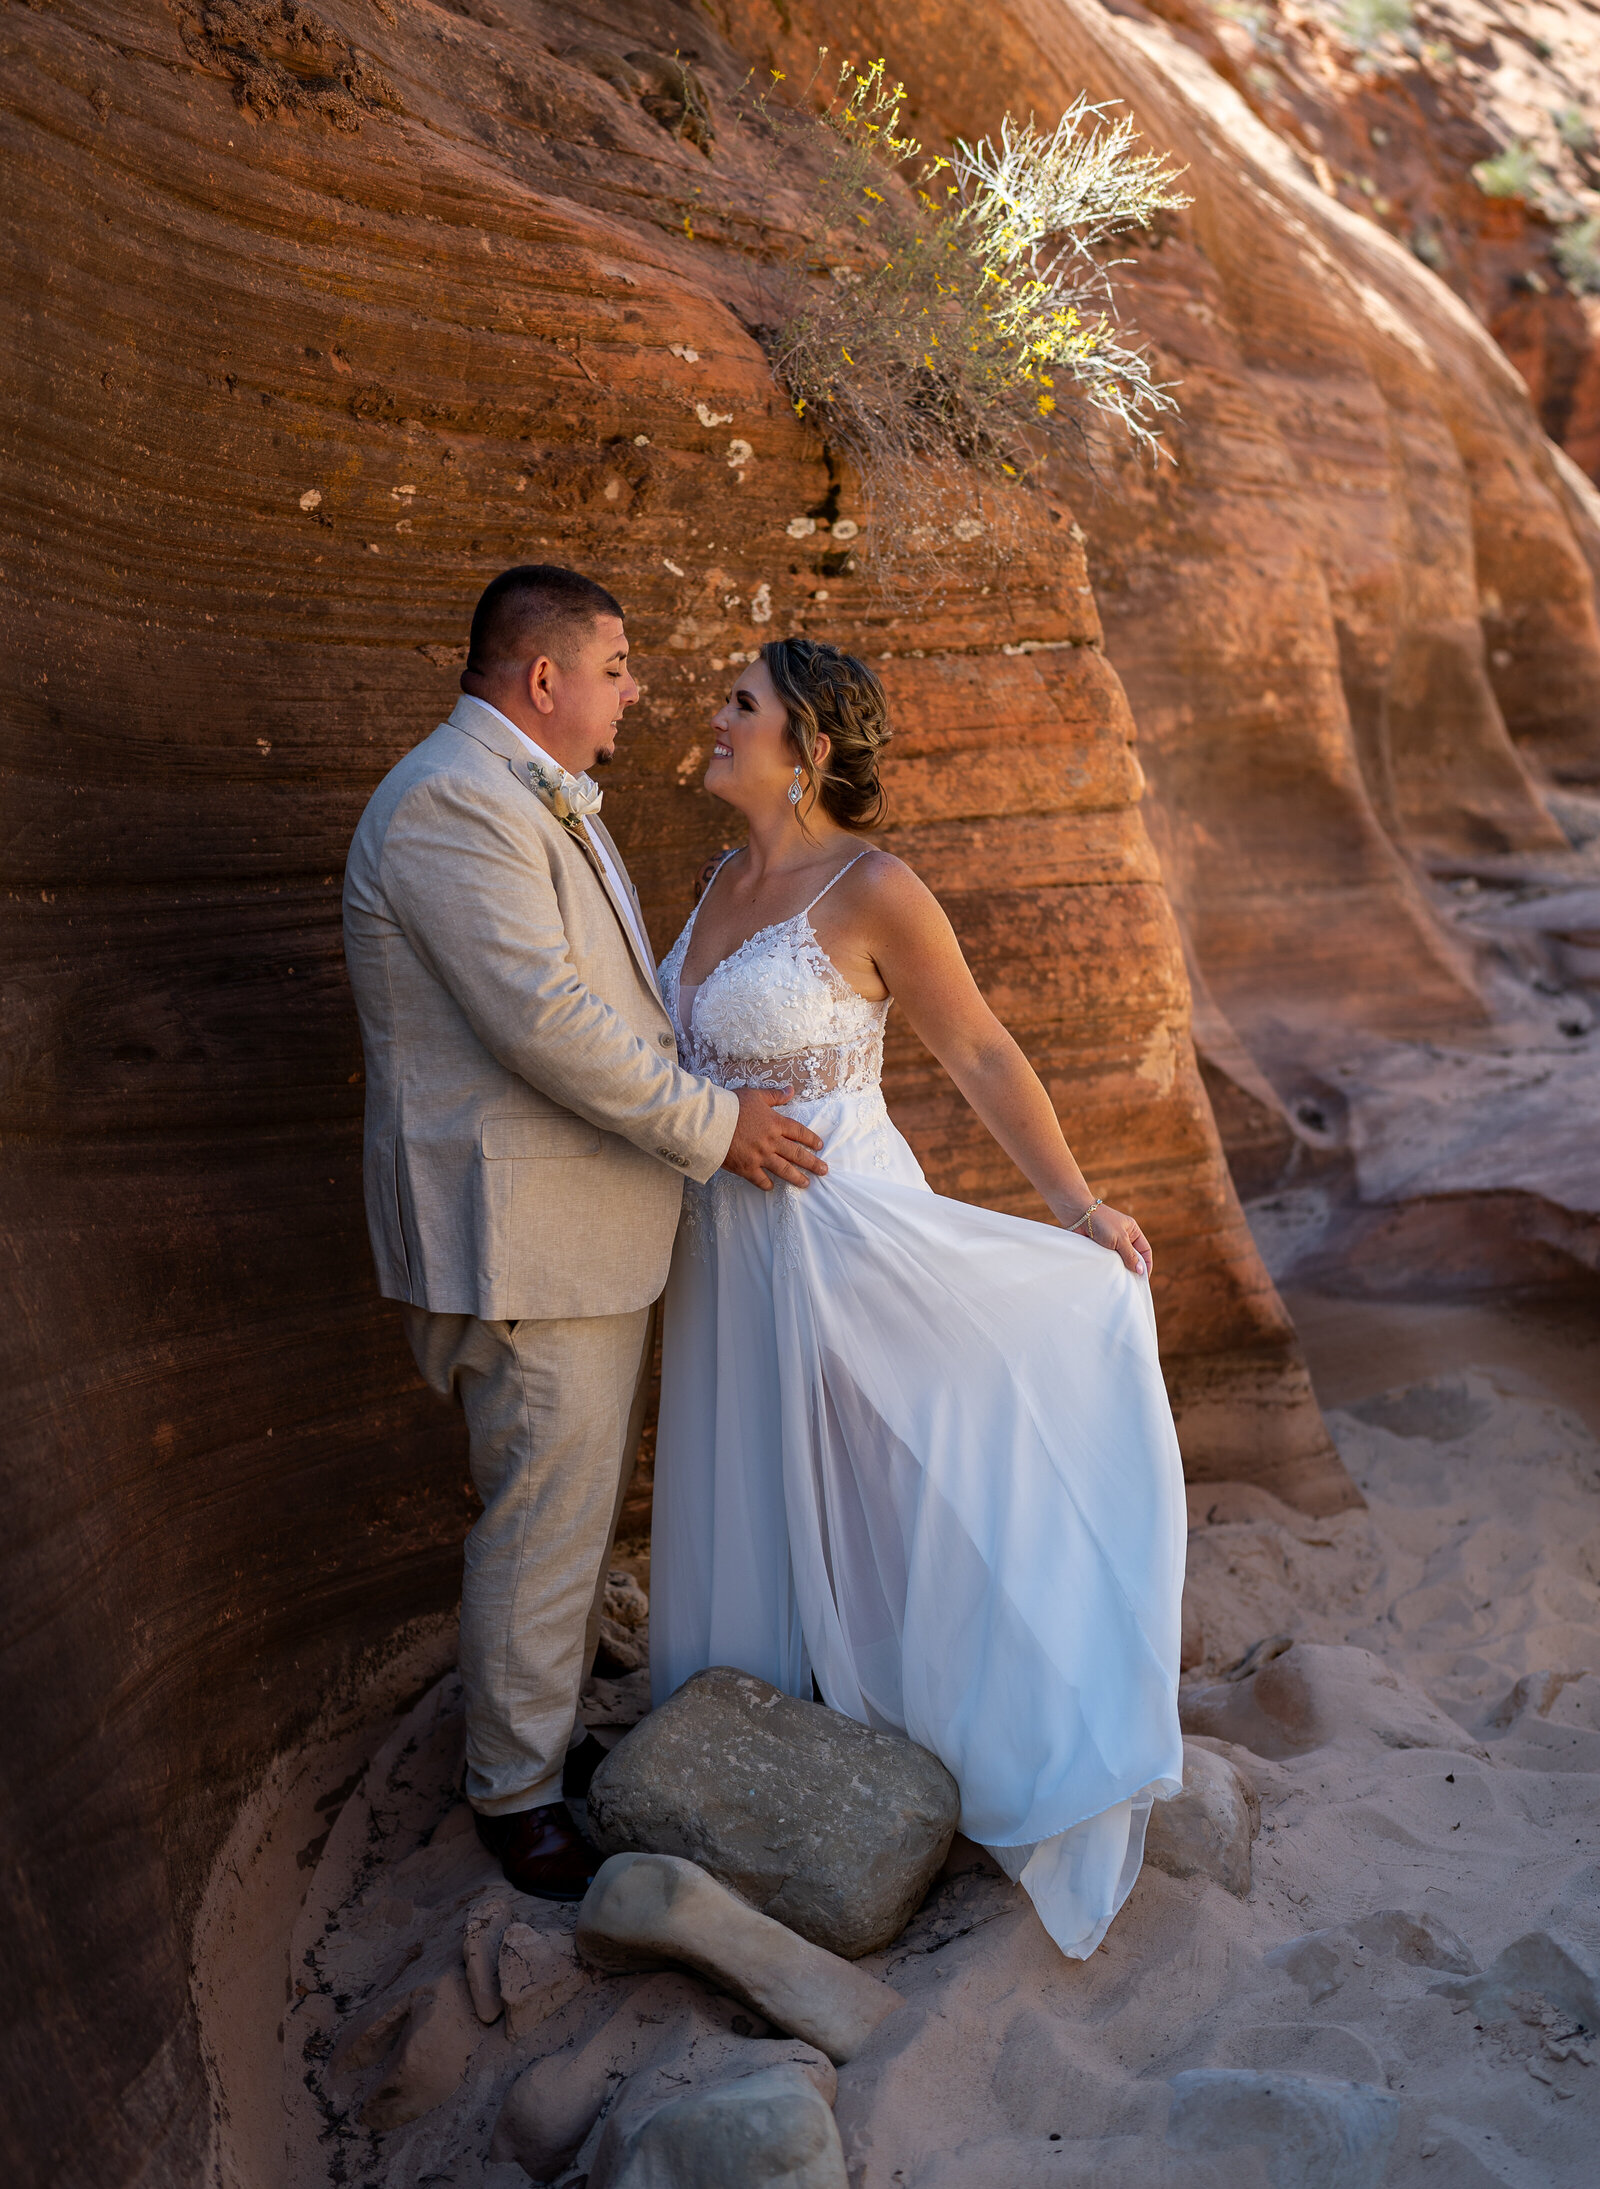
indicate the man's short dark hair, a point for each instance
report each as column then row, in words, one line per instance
column 536, row 608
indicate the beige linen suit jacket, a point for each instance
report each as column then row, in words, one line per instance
column 528, row 1126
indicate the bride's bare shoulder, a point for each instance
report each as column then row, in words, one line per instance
column 886, row 885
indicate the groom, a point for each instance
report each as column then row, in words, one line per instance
column 528, row 1131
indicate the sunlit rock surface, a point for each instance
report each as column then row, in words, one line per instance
column 1356, row 619
column 318, row 315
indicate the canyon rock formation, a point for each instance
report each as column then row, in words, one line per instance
column 1356, row 621
column 319, row 315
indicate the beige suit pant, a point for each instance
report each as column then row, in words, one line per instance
column 554, row 1411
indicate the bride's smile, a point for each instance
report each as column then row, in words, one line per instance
column 752, row 764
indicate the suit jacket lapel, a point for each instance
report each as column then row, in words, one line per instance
column 632, row 919
column 477, row 722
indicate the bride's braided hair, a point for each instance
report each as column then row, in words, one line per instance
column 828, row 693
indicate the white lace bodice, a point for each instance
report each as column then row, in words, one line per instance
column 777, row 1012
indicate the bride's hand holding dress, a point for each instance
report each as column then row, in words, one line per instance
column 887, row 933
column 917, row 1450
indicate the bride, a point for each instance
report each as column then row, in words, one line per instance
column 917, row 1451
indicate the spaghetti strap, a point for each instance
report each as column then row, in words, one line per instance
column 705, row 893
column 827, row 885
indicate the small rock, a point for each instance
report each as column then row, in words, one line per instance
column 441, row 2035
column 1442, row 1411
column 668, row 2035
column 774, row 2127
column 1314, row 2133
column 1312, row 1694
column 643, row 1910
column 830, row 1828
column 367, row 2042
column 538, row 1973
column 1267, row 1781
column 480, row 1953
column 1323, row 1960
column 1192, row 1643
column 1535, row 1691
column 616, row 1703
column 620, row 1651
column 1206, row 1830
column 1553, row 1970
column 624, row 1600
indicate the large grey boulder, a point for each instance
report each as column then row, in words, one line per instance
column 826, row 1826
column 646, row 1910
column 1206, row 1830
column 773, row 2130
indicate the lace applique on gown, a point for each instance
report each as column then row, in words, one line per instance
column 919, row 1450
column 776, row 1012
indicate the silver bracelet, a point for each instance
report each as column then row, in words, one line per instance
column 1086, row 1217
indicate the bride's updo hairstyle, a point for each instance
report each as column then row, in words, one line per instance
column 828, row 693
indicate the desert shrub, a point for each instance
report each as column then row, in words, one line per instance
column 1513, row 173
column 1577, row 250
column 1366, row 22
column 1574, row 128
column 948, row 323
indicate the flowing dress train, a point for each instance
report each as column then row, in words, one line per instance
column 921, row 1451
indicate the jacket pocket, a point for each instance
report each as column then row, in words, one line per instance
column 519, row 1138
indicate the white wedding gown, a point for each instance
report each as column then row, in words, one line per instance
column 920, row 1450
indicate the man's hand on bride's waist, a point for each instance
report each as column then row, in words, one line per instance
column 767, row 1146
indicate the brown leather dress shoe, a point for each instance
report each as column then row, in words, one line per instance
column 540, row 1852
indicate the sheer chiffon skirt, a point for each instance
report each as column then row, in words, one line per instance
column 923, row 1451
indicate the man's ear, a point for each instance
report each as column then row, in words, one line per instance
column 542, row 674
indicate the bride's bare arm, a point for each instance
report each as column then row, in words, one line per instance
column 899, row 923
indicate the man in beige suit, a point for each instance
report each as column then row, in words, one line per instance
column 528, row 1131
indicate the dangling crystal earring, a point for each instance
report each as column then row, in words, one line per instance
column 794, row 789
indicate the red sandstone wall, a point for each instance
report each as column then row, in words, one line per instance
column 319, row 317
column 1356, row 620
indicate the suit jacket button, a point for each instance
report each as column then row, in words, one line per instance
column 665, row 1040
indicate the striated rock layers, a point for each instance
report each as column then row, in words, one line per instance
column 317, row 316
column 1357, row 625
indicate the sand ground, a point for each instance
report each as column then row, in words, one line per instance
column 1424, row 1921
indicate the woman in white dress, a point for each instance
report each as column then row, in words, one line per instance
column 918, row 1451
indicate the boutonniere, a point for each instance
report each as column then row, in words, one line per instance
column 569, row 797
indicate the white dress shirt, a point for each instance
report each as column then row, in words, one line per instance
column 619, row 886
